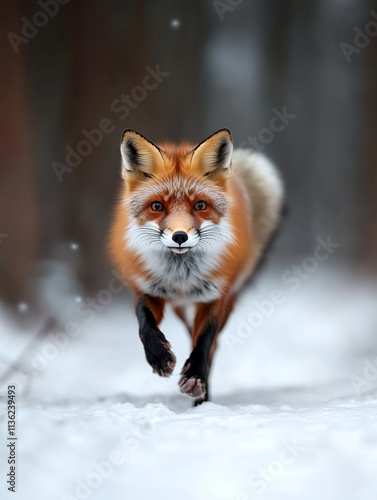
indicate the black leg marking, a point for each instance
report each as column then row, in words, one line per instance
column 194, row 380
column 157, row 348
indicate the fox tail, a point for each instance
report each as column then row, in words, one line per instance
column 266, row 192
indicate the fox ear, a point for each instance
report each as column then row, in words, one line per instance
column 213, row 156
column 139, row 156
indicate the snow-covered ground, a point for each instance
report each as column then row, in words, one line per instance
column 293, row 412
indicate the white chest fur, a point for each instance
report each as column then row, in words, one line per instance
column 180, row 278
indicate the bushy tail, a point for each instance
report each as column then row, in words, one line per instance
column 266, row 192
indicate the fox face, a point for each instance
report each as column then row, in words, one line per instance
column 177, row 196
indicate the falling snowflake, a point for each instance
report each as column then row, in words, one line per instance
column 23, row 307
column 175, row 23
column 78, row 299
column 74, row 246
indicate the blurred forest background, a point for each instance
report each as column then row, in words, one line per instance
column 229, row 64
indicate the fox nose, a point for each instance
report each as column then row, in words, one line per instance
column 179, row 237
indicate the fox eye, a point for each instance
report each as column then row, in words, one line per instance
column 157, row 206
column 200, row 205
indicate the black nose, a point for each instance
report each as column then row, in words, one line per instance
column 179, row 237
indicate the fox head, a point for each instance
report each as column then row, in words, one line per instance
column 177, row 195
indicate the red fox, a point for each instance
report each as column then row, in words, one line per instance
column 190, row 225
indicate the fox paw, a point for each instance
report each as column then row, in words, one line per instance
column 193, row 386
column 162, row 360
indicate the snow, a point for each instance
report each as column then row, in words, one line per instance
column 22, row 307
column 175, row 23
column 293, row 411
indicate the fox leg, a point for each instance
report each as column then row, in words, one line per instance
column 209, row 320
column 149, row 311
column 181, row 312
column 228, row 308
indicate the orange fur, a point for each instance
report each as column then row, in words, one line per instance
column 239, row 257
column 170, row 190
